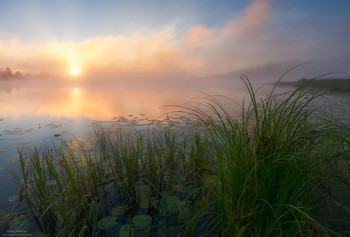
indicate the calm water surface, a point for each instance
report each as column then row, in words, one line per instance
column 43, row 113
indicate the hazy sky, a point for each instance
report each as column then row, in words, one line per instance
column 159, row 37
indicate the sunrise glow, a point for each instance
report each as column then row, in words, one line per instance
column 75, row 70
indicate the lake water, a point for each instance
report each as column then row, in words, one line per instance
column 42, row 113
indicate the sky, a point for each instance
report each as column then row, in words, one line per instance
column 113, row 39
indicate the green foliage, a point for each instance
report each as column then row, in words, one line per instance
column 142, row 220
column 126, row 231
column 269, row 170
column 106, row 223
column 169, row 203
column 20, row 223
column 117, row 211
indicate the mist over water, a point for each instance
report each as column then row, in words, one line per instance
column 41, row 113
column 105, row 100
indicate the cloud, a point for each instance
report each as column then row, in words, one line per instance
column 253, row 38
column 229, row 47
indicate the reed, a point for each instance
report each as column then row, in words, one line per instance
column 271, row 173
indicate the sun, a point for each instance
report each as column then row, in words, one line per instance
column 74, row 70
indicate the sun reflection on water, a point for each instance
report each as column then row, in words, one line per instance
column 98, row 100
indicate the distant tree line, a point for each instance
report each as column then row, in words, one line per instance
column 9, row 74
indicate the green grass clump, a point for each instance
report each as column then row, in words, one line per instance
column 276, row 171
column 269, row 177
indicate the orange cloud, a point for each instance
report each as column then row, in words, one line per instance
column 199, row 34
column 201, row 51
column 256, row 16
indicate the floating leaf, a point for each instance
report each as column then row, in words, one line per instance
column 164, row 194
column 126, row 231
column 142, row 220
column 19, row 144
column 169, row 203
column 106, row 223
column 28, row 130
column 15, row 139
column 51, row 182
column 29, row 146
column 179, row 188
column 13, row 198
column 1, row 168
column 149, row 202
column 173, row 203
column 117, row 211
column 52, row 125
column 13, row 159
column 19, row 224
column 4, row 149
column 57, row 135
column 144, row 203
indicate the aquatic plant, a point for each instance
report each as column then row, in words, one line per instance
column 274, row 167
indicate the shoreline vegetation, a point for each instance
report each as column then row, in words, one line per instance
column 328, row 84
column 278, row 170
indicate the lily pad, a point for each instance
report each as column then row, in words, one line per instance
column 126, row 231
column 13, row 198
column 107, row 222
column 173, row 203
column 20, row 223
column 16, row 139
column 117, row 211
column 19, row 144
column 4, row 149
column 51, row 182
column 149, row 202
column 179, row 188
column 142, row 220
column 28, row 130
column 169, row 203
column 13, row 159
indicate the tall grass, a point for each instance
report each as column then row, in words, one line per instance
column 275, row 171
column 272, row 167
